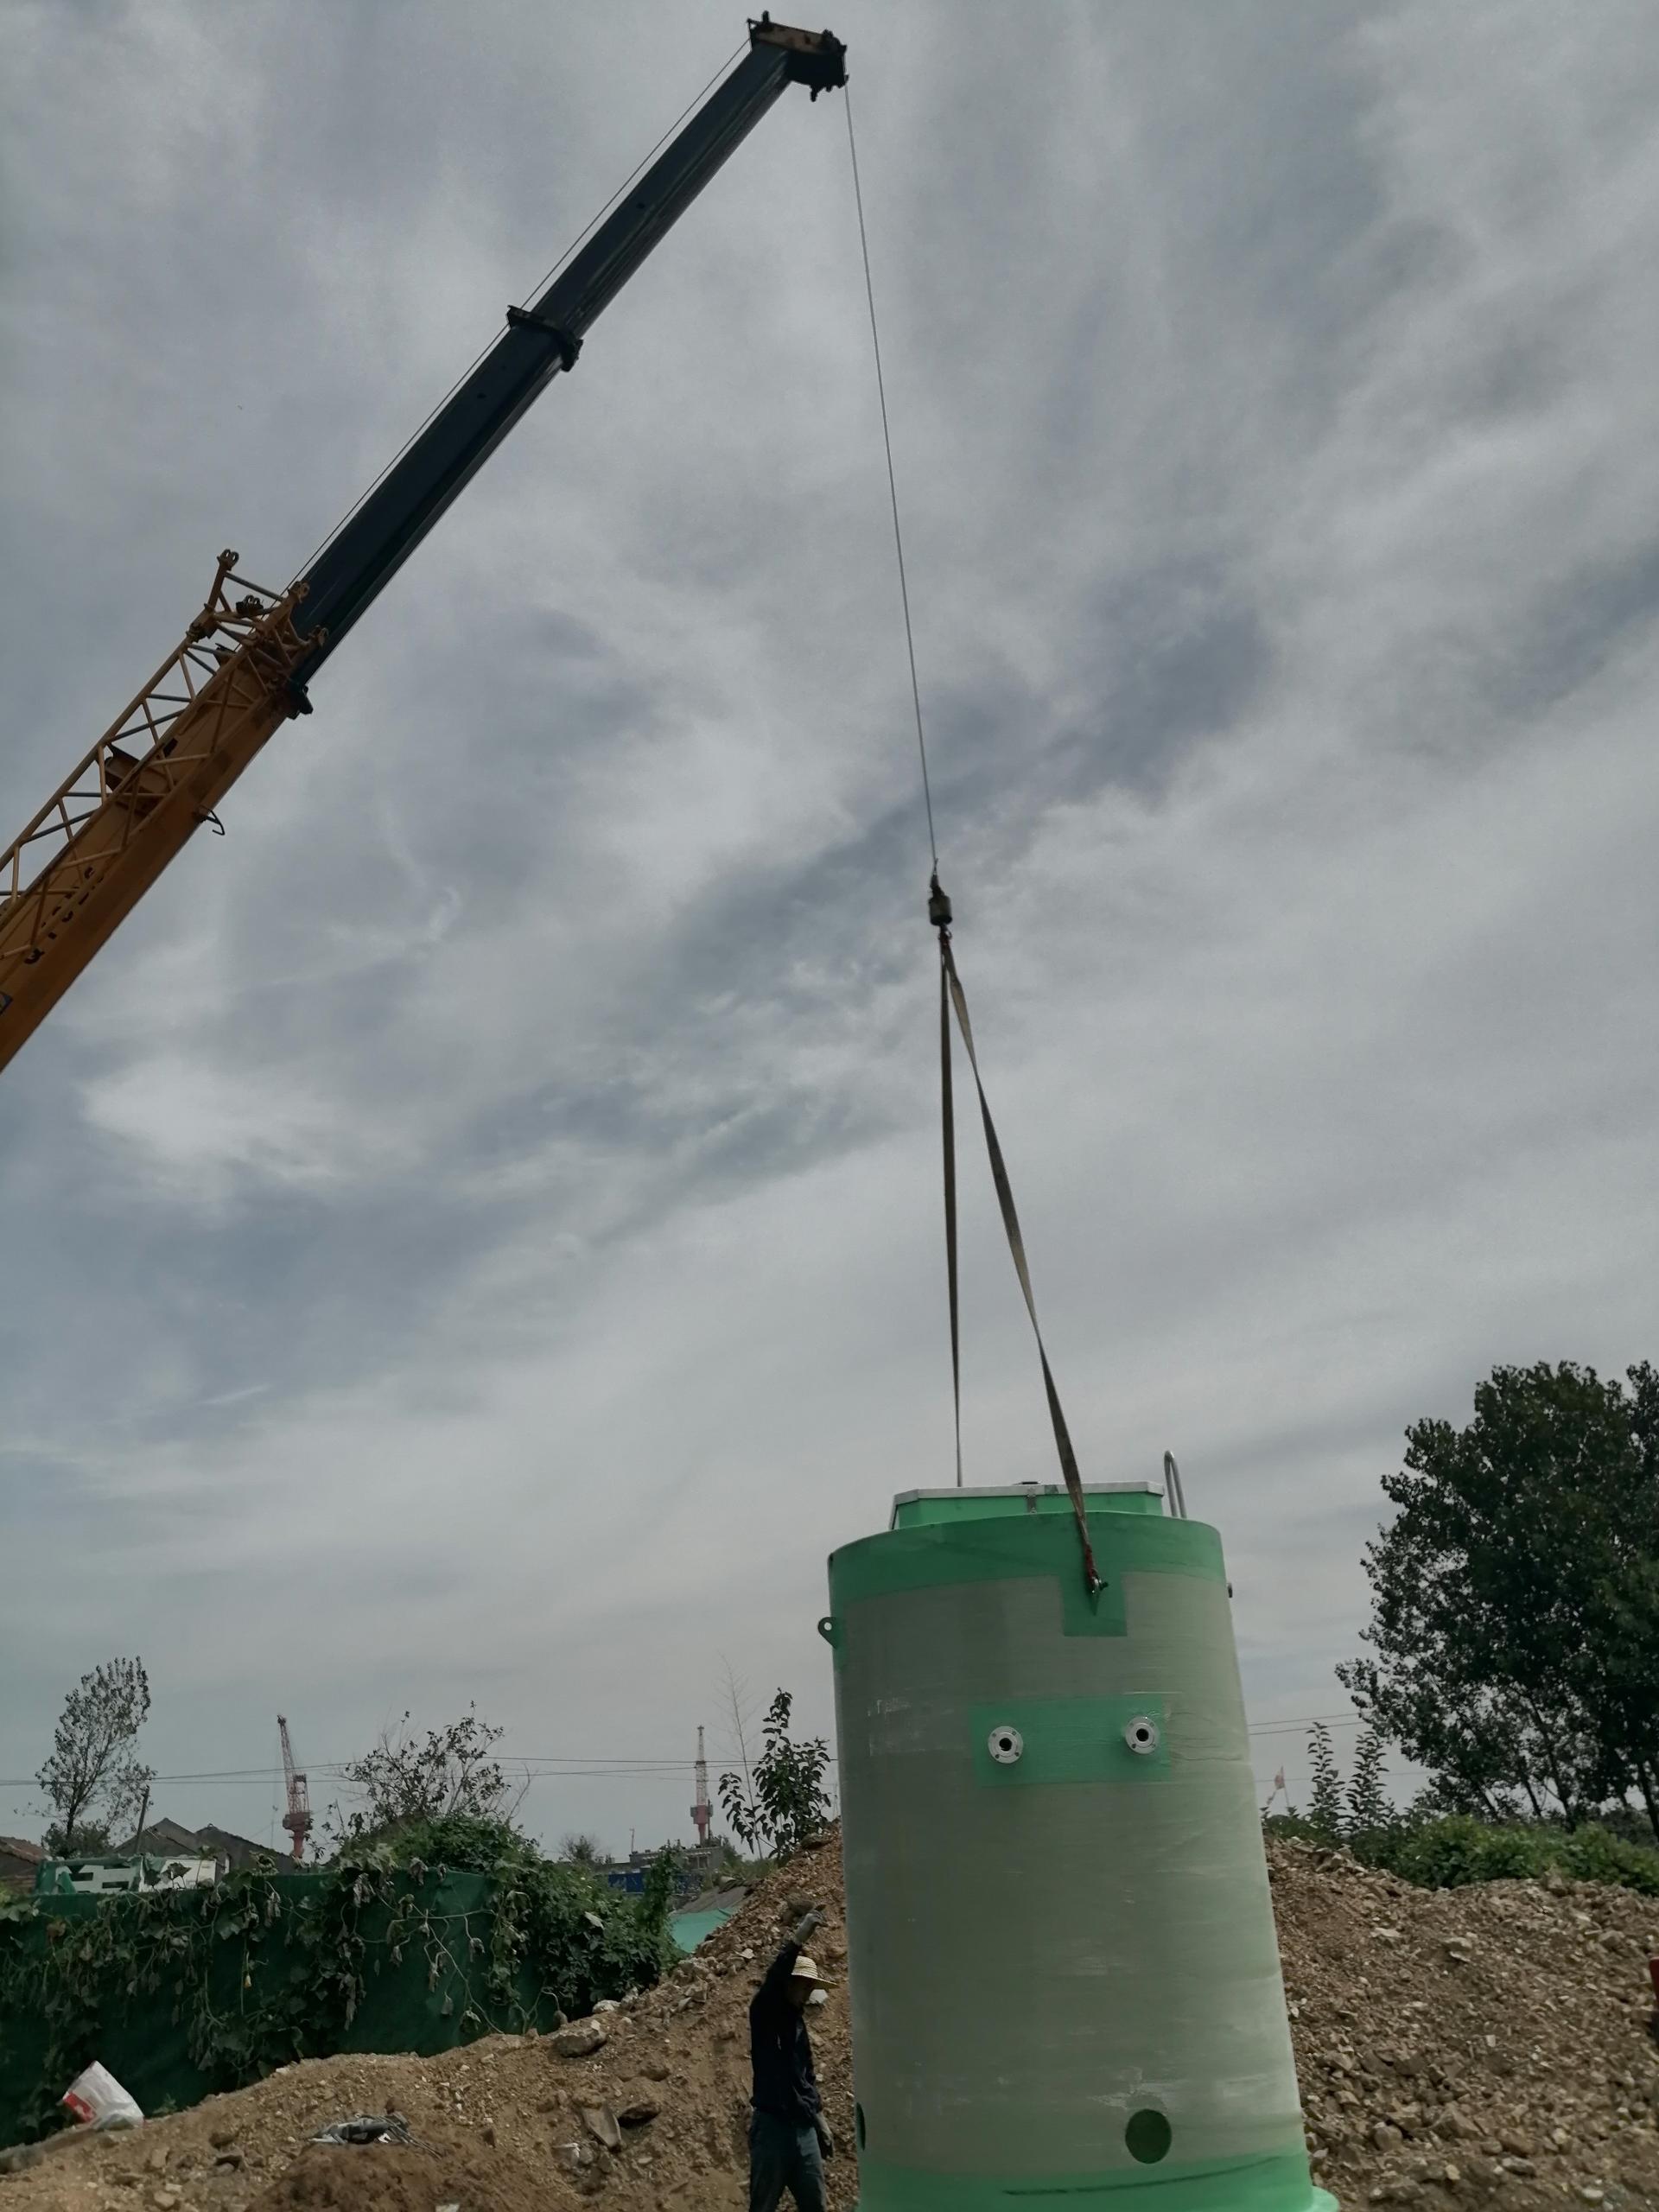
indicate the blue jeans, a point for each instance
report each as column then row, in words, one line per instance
column 784, row 2156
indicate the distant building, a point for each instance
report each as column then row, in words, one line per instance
column 189, row 1858
column 165, row 1838
column 697, row 1866
column 109, row 1877
column 19, row 1863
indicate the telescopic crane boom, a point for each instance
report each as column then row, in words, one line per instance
column 88, row 855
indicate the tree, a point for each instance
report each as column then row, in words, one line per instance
column 93, row 1778
column 1515, row 1622
column 1369, row 1808
column 782, row 1802
column 1325, row 1802
column 740, row 1707
column 736, row 1785
column 583, row 1850
column 448, row 1773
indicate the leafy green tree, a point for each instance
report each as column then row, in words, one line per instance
column 1325, row 1801
column 448, row 1773
column 1515, row 1624
column 582, row 1850
column 1368, row 1808
column 93, row 1777
column 782, row 1802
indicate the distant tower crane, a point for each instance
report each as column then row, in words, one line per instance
column 703, row 1812
column 297, row 1818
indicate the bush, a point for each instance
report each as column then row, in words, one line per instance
column 1451, row 1852
column 1590, row 1854
column 588, row 1939
column 1291, row 1828
column 463, row 1840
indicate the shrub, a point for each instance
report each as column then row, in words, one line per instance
column 1451, row 1852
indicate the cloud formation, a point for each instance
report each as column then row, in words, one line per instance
column 475, row 1231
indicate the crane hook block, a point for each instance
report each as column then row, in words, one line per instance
column 938, row 906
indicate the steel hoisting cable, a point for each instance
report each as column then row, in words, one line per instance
column 540, row 285
column 951, row 996
column 892, row 493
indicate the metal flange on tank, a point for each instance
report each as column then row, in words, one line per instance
column 1065, row 1975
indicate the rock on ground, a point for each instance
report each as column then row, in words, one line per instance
column 1482, row 2048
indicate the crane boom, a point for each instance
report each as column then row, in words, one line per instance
column 158, row 773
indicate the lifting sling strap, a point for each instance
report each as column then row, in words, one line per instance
column 951, row 996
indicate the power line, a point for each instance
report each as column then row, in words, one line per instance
column 575, row 1766
column 1317, row 1719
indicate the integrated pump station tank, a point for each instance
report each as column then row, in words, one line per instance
column 1065, row 1975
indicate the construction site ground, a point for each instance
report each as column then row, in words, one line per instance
column 1460, row 2047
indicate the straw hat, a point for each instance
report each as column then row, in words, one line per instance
column 806, row 1969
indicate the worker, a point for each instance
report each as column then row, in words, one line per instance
column 789, row 2135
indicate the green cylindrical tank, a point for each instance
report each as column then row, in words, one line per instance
column 1065, row 1973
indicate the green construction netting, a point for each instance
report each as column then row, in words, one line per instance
column 691, row 1929
column 407, row 2004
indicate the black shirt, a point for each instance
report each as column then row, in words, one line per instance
column 779, row 2048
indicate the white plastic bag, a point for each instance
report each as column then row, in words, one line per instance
column 97, row 2100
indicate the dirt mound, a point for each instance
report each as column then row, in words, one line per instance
column 405, row 2177
column 1482, row 2046
column 1494, row 2040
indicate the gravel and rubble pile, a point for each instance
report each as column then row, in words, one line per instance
column 1486, row 2046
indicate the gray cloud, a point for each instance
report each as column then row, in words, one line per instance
column 474, row 1233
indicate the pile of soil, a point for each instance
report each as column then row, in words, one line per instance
column 1494, row 2042
column 1481, row 2045
column 441, row 2170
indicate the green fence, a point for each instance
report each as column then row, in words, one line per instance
column 184, row 1992
column 691, row 1929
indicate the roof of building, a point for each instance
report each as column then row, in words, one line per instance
column 18, row 1846
column 162, row 1835
column 162, row 1838
column 240, row 1850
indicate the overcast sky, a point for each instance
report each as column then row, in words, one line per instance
column 475, row 1233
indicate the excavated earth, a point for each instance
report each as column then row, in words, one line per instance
column 1467, row 2046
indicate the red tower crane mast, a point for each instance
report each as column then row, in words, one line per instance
column 297, row 1818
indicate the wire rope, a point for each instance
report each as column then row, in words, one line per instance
column 892, row 484
column 541, row 285
column 549, row 1766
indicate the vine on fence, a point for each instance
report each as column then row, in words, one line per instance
column 264, row 1970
